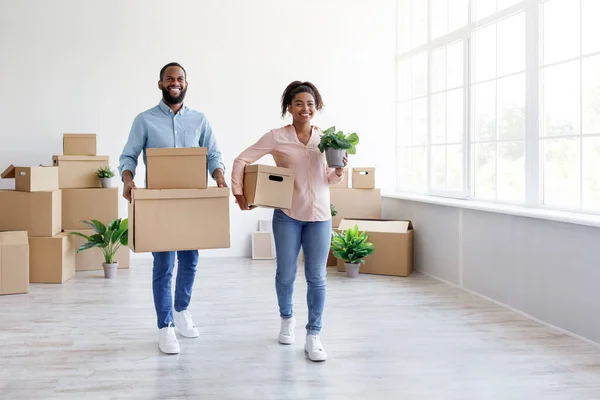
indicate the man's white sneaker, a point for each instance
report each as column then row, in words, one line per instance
column 185, row 325
column 167, row 341
column 286, row 333
column 314, row 348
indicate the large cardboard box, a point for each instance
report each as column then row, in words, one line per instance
column 267, row 186
column 344, row 183
column 14, row 262
column 79, row 144
column 51, row 259
column 356, row 203
column 32, row 179
column 178, row 219
column 92, row 259
column 87, row 204
column 176, row 168
column 76, row 172
column 393, row 242
column 363, row 178
column 38, row 213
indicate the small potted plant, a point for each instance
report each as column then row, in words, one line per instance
column 109, row 238
column 105, row 174
column 352, row 247
column 333, row 210
column 335, row 145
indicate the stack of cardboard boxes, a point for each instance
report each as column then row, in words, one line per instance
column 34, row 206
column 83, row 198
column 177, row 211
column 363, row 200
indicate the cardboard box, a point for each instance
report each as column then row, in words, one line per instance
column 14, row 262
column 76, row 172
column 268, row 186
column 38, row 213
column 79, row 144
column 179, row 219
column 51, row 259
column 393, row 242
column 363, row 178
column 343, row 184
column 263, row 246
column 87, row 204
column 356, row 203
column 176, row 168
column 32, row 179
column 92, row 259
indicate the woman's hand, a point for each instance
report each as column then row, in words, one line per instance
column 340, row 171
column 241, row 200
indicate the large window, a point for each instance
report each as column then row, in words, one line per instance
column 499, row 100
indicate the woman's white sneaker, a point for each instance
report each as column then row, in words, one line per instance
column 286, row 332
column 167, row 341
column 314, row 348
column 185, row 325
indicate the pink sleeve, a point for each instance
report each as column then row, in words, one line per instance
column 332, row 177
column 264, row 146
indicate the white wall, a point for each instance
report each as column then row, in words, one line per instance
column 91, row 66
column 548, row 270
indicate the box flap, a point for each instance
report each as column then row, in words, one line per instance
column 9, row 173
column 79, row 135
column 364, row 169
column 269, row 169
column 11, row 238
column 376, row 225
column 156, row 194
column 80, row 158
column 176, row 151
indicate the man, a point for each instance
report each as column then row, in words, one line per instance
column 171, row 124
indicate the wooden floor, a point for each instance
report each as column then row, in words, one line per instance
column 387, row 338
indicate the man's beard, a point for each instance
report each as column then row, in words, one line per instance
column 173, row 100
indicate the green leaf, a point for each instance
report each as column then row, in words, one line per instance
column 125, row 238
column 80, row 234
column 87, row 245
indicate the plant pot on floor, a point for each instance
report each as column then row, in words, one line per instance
column 110, row 270
column 352, row 270
column 106, row 182
column 335, row 157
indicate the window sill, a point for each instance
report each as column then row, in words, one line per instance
column 521, row 211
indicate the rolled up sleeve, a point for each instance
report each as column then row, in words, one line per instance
column 136, row 142
column 214, row 157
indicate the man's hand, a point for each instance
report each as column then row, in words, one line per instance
column 340, row 171
column 241, row 200
column 219, row 178
column 128, row 185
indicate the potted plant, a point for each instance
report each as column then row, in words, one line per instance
column 352, row 247
column 333, row 210
column 335, row 145
column 109, row 238
column 105, row 174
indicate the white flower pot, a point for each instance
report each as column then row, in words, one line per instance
column 110, row 270
column 352, row 270
column 106, row 182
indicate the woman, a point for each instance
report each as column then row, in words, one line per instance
column 308, row 222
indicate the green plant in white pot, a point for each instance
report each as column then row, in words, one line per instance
column 352, row 247
column 108, row 238
column 105, row 174
column 335, row 145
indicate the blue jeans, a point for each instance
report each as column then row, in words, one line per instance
column 315, row 239
column 162, row 272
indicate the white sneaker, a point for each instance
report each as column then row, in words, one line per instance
column 314, row 348
column 286, row 333
column 167, row 341
column 185, row 325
